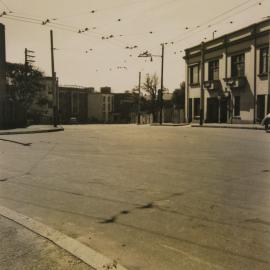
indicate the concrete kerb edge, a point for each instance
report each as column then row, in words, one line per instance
column 232, row 127
column 169, row 125
column 74, row 247
column 31, row 131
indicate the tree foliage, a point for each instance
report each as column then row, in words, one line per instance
column 25, row 85
column 150, row 86
column 178, row 98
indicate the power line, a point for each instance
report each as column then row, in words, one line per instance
column 200, row 28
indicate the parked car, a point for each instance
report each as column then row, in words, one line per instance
column 266, row 121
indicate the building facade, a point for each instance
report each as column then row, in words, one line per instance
column 100, row 107
column 73, row 103
column 2, row 77
column 228, row 77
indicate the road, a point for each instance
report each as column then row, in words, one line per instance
column 150, row 197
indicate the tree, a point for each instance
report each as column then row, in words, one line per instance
column 25, row 87
column 178, row 98
column 150, row 87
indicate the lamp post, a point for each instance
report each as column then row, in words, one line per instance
column 148, row 54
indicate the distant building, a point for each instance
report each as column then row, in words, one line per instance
column 73, row 103
column 3, row 105
column 105, row 90
column 125, row 105
column 100, row 107
column 227, row 79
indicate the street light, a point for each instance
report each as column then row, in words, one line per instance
column 148, row 54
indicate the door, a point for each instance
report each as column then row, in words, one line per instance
column 190, row 112
column 212, row 110
column 260, row 107
column 223, row 110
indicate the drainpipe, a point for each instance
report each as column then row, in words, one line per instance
column 202, row 88
column 255, row 74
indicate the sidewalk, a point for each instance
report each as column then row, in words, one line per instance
column 31, row 130
column 170, row 124
column 21, row 249
column 234, row 126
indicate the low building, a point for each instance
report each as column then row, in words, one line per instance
column 73, row 103
column 227, row 79
column 125, row 105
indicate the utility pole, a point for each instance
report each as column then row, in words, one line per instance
column 28, row 57
column 139, row 100
column 202, row 86
column 161, row 90
column 55, row 112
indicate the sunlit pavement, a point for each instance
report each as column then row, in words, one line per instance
column 151, row 197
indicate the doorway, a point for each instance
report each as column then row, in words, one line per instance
column 260, row 107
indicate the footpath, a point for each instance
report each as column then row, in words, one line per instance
column 234, row 126
column 32, row 129
column 22, row 249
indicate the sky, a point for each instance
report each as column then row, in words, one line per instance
column 94, row 59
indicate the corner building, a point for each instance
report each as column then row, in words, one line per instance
column 228, row 78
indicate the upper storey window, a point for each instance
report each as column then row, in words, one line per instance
column 264, row 52
column 213, row 70
column 238, row 65
column 194, row 74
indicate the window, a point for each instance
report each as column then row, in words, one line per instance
column 194, row 74
column 213, row 70
column 238, row 65
column 264, row 52
column 237, row 106
column 197, row 107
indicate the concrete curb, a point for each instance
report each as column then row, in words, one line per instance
column 29, row 131
column 169, row 125
column 232, row 127
column 74, row 247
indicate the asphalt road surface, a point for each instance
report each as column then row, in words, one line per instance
column 169, row 198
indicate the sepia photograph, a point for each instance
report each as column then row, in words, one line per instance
column 134, row 135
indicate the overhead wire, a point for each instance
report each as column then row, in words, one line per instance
column 206, row 25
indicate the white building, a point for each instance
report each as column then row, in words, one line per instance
column 100, row 107
column 228, row 77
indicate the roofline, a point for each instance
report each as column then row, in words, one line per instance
column 230, row 33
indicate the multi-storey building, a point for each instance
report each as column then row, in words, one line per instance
column 73, row 103
column 100, row 107
column 2, row 77
column 228, row 77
